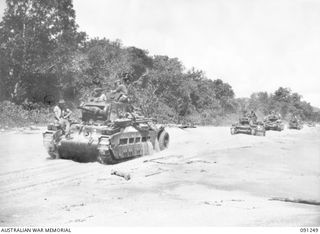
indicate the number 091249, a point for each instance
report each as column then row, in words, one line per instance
column 308, row 229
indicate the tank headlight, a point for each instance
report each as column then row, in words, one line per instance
column 47, row 136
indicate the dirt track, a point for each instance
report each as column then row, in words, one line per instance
column 206, row 177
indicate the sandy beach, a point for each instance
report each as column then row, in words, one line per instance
column 207, row 177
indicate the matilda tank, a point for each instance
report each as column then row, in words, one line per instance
column 247, row 126
column 108, row 133
column 273, row 122
column 295, row 124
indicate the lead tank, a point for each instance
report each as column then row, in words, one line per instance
column 248, row 126
column 108, row 133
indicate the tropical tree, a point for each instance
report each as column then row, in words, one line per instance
column 37, row 38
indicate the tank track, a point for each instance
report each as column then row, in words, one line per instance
column 54, row 154
column 106, row 157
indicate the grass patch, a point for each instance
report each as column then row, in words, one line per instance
column 12, row 115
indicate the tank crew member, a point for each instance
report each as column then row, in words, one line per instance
column 62, row 114
column 253, row 116
column 294, row 118
column 121, row 92
column 271, row 115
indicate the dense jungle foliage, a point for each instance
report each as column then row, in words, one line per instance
column 44, row 57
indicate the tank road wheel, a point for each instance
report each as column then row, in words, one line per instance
column 54, row 154
column 163, row 140
column 52, row 150
column 106, row 157
column 49, row 141
column 261, row 133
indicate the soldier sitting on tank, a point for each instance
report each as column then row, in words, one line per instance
column 121, row 91
column 272, row 115
column 62, row 115
column 294, row 119
column 253, row 116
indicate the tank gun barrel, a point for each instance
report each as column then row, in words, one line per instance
column 94, row 110
column 86, row 109
column 144, row 120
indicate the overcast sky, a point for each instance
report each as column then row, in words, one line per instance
column 254, row 45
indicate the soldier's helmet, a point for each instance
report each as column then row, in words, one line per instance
column 61, row 103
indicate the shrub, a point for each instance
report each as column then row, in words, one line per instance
column 12, row 115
